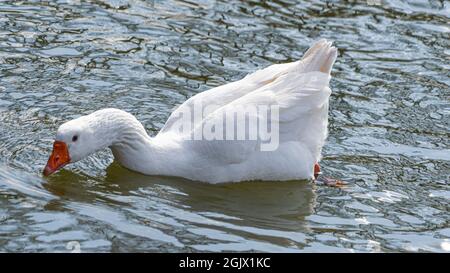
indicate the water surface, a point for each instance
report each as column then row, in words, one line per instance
column 389, row 125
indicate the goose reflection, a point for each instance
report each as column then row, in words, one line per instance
column 268, row 211
column 260, row 203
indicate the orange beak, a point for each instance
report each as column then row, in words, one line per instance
column 58, row 159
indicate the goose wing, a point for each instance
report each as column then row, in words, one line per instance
column 299, row 95
column 225, row 94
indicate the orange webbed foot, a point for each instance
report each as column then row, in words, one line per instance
column 331, row 182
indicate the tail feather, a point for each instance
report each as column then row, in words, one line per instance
column 320, row 57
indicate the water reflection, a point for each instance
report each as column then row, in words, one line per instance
column 253, row 210
column 389, row 136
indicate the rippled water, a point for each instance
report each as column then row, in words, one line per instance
column 389, row 124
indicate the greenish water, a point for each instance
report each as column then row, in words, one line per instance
column 389, row 124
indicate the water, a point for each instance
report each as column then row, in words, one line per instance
column 389, row 125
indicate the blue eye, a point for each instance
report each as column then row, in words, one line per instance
column 74, row 138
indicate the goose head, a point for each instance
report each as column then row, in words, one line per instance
column 74, row 141
column 81, row 137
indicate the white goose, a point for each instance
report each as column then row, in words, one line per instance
column 299, row 89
